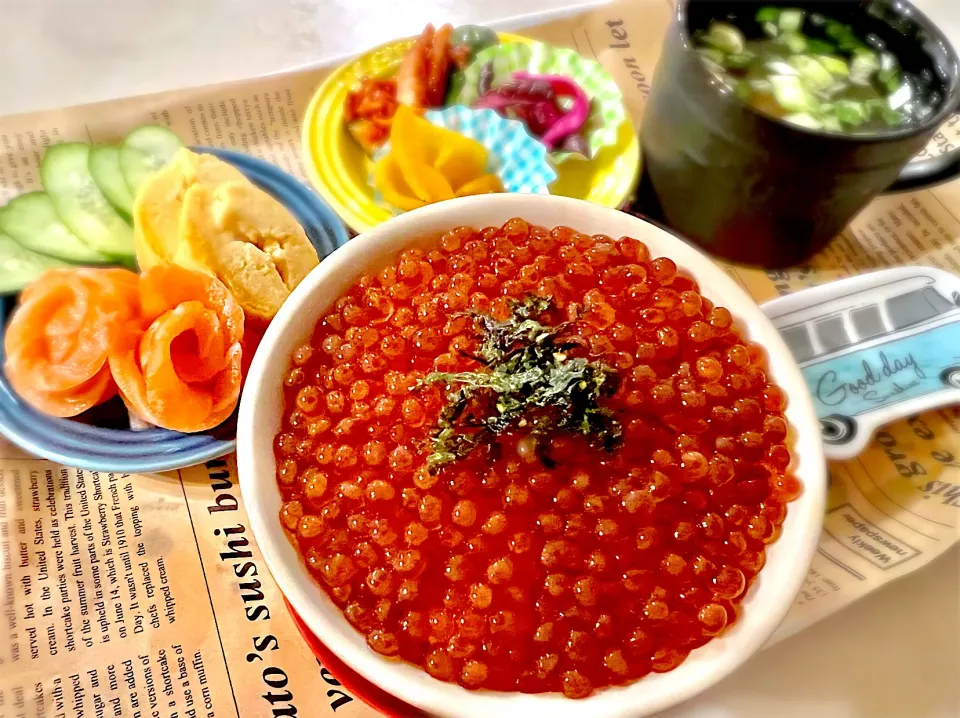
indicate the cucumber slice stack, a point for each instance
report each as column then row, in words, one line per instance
column 80, row 203
column 83, row 217
column 144, row 151
column 32, row 222
column 19, row 265
column 104, row 166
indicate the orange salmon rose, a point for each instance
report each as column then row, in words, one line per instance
column 178, row 365
column 58, row 341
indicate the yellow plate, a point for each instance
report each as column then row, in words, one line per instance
column 340, row 170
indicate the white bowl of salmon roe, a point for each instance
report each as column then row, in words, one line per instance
column 577, row 579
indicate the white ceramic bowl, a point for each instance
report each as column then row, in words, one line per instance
column 764, row 606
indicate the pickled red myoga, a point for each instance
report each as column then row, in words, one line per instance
column 471, row 518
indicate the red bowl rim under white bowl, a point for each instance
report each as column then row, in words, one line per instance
column 261, row 408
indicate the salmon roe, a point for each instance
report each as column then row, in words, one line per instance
column 550, row 567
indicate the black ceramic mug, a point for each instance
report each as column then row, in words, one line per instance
column 752, row 189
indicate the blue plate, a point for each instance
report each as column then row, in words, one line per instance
column 95, row 440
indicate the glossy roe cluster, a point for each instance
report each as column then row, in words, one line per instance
column 540, row 565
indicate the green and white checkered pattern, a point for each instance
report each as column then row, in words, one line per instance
column 517, row 158
column 606, row 107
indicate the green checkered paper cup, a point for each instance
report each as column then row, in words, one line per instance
column 606, row 101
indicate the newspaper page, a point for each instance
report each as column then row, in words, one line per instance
column 147, row 595
column 144, row 596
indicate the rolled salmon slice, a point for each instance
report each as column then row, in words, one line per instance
column 74, row 401
column 200, row 354
column 58, row 339
column 179, row 367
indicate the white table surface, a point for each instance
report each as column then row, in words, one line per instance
column 896, row 654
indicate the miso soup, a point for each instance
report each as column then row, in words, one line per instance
column 811, row 71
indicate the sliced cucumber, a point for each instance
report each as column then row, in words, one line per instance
column 19, row 266
column 146, row 150
column 33, row 222
column 65, row 171
column 105, row 168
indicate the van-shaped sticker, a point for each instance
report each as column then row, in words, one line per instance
column 874, row 348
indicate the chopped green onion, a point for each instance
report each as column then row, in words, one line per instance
column 812, row 71
column 887, row 74
column 790, row 93
column 715, row 67
column 887, row 61
column 820, row 47
column 770, row 30
column 862, row 66
column 780, row 67
column 740, row 60
column 891, row 116
column 876, row 106
column 804, row 119
column 726, row 37
column 834, row 65
column 889, row 78
column 851, row 44
column 843, row 35
column 791, row 20
column 794, row 41
column 901, row 96
column 837, row 30
column 835, row 89
column 760, row 84
column 831, row 123
column 850, row 112
column 817, row 19
column 712, row 54
column 767, row 14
